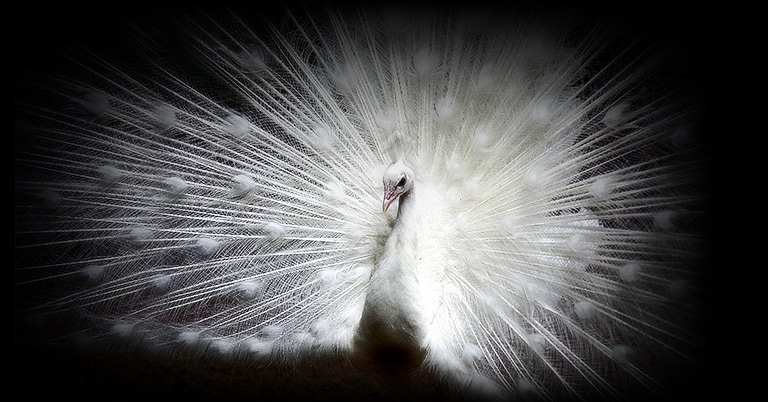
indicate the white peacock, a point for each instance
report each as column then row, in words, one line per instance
column 542, row 220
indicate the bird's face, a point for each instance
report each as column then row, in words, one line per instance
column 398, row 180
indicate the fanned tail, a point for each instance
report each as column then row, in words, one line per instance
column 229, row 205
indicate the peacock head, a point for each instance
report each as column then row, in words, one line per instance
column 398, row 180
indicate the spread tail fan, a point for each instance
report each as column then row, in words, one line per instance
column 543, row 187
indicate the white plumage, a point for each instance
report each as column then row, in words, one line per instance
column 547, row 243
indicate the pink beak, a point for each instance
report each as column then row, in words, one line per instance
column 389, row 198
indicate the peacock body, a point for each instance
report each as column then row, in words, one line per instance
column 549, row 244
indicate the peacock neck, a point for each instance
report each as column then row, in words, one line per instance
column 396, row 267
column 391, row 322
column 405, row 206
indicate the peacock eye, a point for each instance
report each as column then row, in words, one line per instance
column 401, row 183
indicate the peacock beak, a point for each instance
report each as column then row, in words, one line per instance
column 389, row 197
